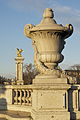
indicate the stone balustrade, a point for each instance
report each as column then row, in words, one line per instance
column 16, row 97
column 21, row 96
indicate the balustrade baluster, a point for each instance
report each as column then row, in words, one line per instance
column 24, row 96
column 16, row 96
column 20, row 97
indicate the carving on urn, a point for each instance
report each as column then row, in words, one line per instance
column 48, row 39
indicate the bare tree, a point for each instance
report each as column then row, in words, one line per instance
column 29, row 73
column 75, row 67
column 74, row 71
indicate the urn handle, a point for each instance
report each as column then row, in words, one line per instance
column 27, row 29
column 69, row 30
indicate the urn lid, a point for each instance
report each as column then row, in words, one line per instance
column 48, row 23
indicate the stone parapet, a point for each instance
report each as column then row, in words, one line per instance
column 7, row 97
column 48, row 101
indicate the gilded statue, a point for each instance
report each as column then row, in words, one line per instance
column 19, row 51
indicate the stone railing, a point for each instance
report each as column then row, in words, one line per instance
column 21, row 96
column 16, row 97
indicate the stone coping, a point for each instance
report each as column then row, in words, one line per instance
column 40, row 86
column 15, row 86
column 37, row 86
column 14, row 114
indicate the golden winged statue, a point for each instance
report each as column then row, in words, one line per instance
column 19, row 51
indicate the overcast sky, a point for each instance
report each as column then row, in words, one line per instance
column 14, row 14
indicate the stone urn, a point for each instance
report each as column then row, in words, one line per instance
column 48, row 39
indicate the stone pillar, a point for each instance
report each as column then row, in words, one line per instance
column 50, row 91
column 19, row 68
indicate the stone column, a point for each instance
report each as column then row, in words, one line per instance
column 19, row 68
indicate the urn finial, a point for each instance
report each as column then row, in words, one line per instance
column 48, row 13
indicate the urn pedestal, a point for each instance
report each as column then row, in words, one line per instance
column 50, row 98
